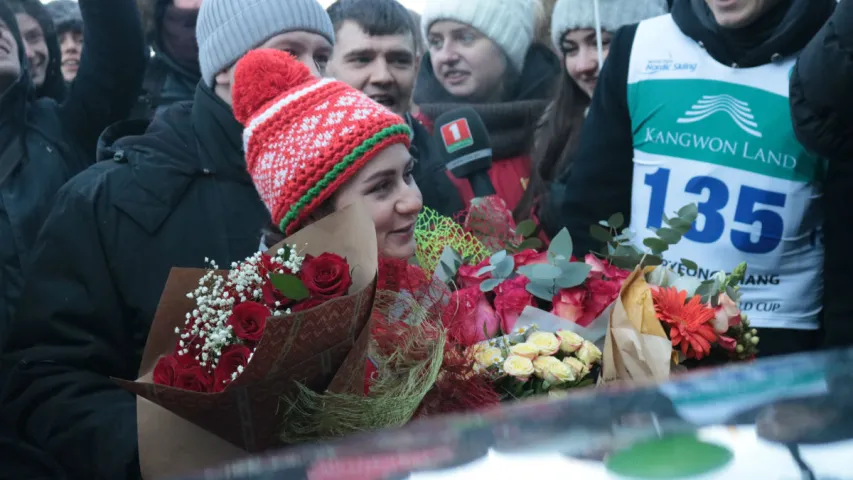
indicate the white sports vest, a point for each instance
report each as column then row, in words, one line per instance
column 722, row 138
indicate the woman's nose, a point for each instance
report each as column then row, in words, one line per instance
column 589, row 61
column 411, row 201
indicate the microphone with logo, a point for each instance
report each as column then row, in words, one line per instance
column 463, row 142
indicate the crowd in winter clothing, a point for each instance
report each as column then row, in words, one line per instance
column 122, row 155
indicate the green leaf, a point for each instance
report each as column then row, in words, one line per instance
column 498, row 257
column 574, row 274
column 526, row 228
column 656, row 245
column 625, row 262
column 652, row 261
column 604, row 223
column 290, row 286
column 679, row 225
column 616, row 221
column 540, row 291
column 689, row 212
column 530, row 244
column 561, row 244
column 669, row 235
column 689, row 265
column 447, row 273
column 504, row 268
column 600, row 233
column 485, row 270
column 527, row 271
column 544, row 271
column 490, row 284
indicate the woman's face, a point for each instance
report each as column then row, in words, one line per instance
column 466, row 62
column 386, row 187
column 580, row 54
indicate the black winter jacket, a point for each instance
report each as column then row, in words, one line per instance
column 54, row 83
column 43, row 144
column 431, row 173
column 168, row 198
column 822, row 89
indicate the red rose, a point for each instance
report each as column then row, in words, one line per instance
column 601, row 294
column 326, row 276
column 569, row 303
column 165, row 372
column 510, row 302
column 248, row 320
column 194, row 379
column 602, row 267
column 307, row 304
column 232, row 356
column 474, row 319
column 467, row 275
column 530, row 257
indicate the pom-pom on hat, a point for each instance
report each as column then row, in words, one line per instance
column 614, row 14
column 304, row 137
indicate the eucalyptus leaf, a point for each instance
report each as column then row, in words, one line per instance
column 504, row 268
column 624, row 262
column 708, row 290
column 490, row 284
column 600, row 233
column 689, row 212
column 669, row 235
column 540, row 291
column 652, row 261
column 485, row 270
column 526, row 228
column 530, row 244
column 689, row 264
column 451, row 259
column 527, row 271
column 543, row 271
column 561, row 244
column 616, row 221
column 290, row 286
column 681, row 226
column 445, row 273
column 656, row 245
column 573, row 275
column 498, row 257
column 604, row 223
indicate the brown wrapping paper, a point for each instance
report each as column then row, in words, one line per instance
column 636, row 348
column 181, row 431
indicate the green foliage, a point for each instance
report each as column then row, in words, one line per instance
column 290, row 286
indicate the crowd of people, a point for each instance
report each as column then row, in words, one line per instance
column 129, row 146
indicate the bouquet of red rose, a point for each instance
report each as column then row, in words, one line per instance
column 228, row 350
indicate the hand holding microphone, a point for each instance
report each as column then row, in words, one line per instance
column 462, row 141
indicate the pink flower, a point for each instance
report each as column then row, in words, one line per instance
column 727, row 343
column 467, row 275
column 530, row 257
column 511, row 297
column 601, row 294
column 726, row 315
column 602, row 267
column 569, row 303
column 475, row 320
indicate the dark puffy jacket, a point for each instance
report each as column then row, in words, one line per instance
column 822, row 89
column 822, row 112
column 43, row 144
column 167, row 198
column 166, row 82
column 431, row 173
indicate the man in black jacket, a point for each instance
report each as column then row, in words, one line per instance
column 822, row 110
column 377, row 53
column 69, row 30
column 43, row 144
column 698, row 100
column 173, row 71
column 169, row 197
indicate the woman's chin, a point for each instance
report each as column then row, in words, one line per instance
column 404, row 251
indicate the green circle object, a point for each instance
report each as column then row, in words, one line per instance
column 678, row 456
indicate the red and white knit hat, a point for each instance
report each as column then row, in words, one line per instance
column 304, row 137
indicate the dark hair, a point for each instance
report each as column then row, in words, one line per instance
column 376, row 17
column 554, row 143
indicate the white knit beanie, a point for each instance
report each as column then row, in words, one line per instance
column 508, row 23
column 574, row 14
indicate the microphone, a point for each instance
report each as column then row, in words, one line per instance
column 463, row 143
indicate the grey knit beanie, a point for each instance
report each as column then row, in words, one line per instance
column 228, row 29
column 66, row 16
column 508, row 23
column 574, row 14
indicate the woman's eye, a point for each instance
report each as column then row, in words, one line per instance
column 467, row 39
column 409, row 175
column 435, row 43
column 381, row 187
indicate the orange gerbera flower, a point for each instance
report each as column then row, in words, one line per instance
column 691, row 323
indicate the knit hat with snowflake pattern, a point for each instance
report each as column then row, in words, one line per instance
column 304, row 137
